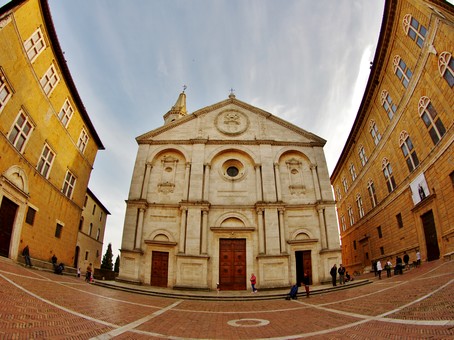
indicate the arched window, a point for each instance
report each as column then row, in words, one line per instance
column 388, row 104
column 388, row 173
column 344, row 226
column 338, row 194
column 345, row 184
column 350, row 215
column 90, row 229
column 362, row 155
column 446, row 67
column 414, row 30
column 430, row 117
column 352, row 171
column 376, row 136
column 408, row 150
column 359, row 203
column 372, row 194
column 401, row 70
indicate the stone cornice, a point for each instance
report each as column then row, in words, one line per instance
column 230, row 141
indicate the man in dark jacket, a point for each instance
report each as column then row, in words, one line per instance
column 333, row 273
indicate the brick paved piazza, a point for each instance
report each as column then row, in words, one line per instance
column 41, row 305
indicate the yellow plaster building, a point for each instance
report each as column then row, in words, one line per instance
column 91, row 232
column 394, row 181
column 47, row 142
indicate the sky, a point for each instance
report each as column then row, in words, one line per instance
column 304, row 61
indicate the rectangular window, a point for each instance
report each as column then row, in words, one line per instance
column 380, row 235
column 45, row 161
column 354, row 244
column 21, row 131
column 97, row 234
column 86, row 256
column 344, row 226
column 5, row 91
column 400, row 223
column 85, row 202
column 58, row 230
column 83, row 140
column 35, row 45
column 382, row 251
column 94, row 209
column 50, row 80
column 30, row 218
column 66, row 112
column 100, row 216
column 69, row 184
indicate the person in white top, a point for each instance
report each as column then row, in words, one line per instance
column 379, row 269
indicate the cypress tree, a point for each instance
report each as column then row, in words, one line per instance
column 107, row 258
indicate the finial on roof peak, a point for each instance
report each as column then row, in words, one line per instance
column 231, row 95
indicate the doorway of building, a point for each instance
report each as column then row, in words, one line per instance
column 430, row 233
column 159, row 268
column 8, row 211
column 232, row 264
column 303, row 263
column 76, row 257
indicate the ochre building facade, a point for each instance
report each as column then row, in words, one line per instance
column 225, row 192
column 394, row 181
column 47, row 142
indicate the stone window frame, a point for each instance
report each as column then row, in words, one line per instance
column 352, row 171
column 388, row 105
column 35, row 45
column 351, row 215
column 66, row 113
column 414, row 29
column 372, row 193
column 388, row 174
column 83, row 140
column 46, row 161
column 360, row 205
column 362, row 155
column 431, row 120
column 446, row 67
column 49, row 80
column 21, row 130
column 402, row 71
column 375, row 134
column 6, row 90
column 69, row 184
column 408, row 150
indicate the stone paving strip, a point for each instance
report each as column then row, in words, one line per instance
column 416, row 305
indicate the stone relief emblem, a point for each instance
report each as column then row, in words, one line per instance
column 232, row 122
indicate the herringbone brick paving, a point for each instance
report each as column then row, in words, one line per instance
column 41, row 305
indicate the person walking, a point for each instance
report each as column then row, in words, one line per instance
column 26, row 255
column 306, row 282
column 388, row 268
column 406, row 260
column 88, row 273
column 333, row 273
column 341, row 272
column 253, row 280
column 379, row 269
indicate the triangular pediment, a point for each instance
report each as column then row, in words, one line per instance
column 229, row 120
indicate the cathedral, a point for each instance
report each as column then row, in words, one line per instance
column 224, row 192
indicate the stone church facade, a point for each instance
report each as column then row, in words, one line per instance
column 225, row 192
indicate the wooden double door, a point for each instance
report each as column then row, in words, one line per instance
column 232, row 264
column 159, row 268
column 303, row 261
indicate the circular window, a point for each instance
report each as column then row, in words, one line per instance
column 232, row 171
